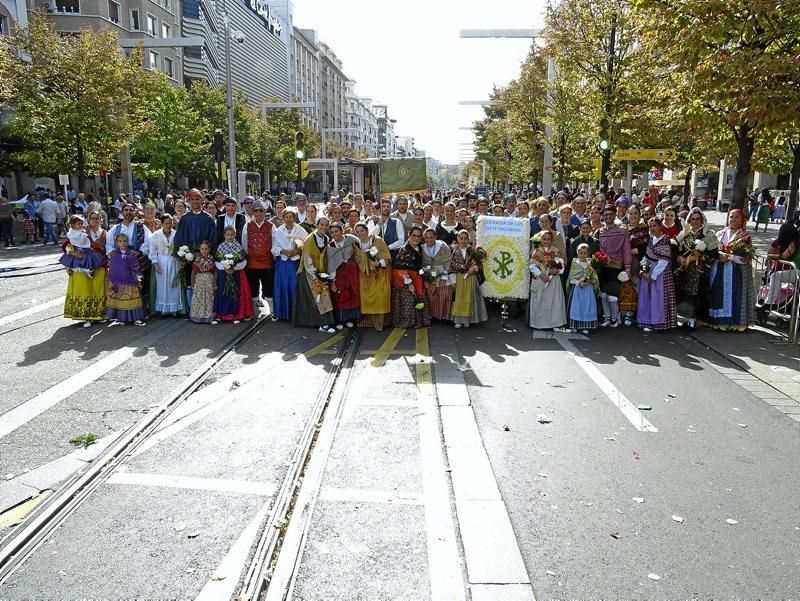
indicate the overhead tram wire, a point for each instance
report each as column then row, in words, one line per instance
column 18, row 546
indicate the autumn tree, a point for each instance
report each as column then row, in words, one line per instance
column 733, row 63
column 76, row 99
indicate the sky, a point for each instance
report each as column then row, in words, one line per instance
column 408, row 54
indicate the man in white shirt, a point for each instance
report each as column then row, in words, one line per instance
column 50, row 212
column 301, row 201
column 136, row 232
column 389, row 228
column 402, row 213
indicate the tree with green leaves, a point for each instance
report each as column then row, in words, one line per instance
column 277, row 139
column 174, row 137
column 732, row 63
column 77, row 99
column 594, row 41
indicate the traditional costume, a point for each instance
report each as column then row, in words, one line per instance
column 614, row 242
column 656, row 306
column 628, row 295
column 232, row 300
column 405, row 302
column 313, row 306
column 286, row 270
column 469, row 305
column 375, row 284
column 547, row 308
column 582, row 305
column 86, row 297
column 123, row 296
column 345, row 260
column 692, row 279
column 732, row 301
column 204, row 274
column 439, row 292
column 257, row 245
column 167, row 291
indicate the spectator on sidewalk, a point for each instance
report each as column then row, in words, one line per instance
column 50, row 212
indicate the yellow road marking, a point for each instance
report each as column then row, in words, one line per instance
column 387, row 347
column 317, row 350
column 423, row 368
column 15, row 515
column 373, row 351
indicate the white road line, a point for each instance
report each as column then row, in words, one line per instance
column 393, row 497
column 628, row 409
column 444, row 559
column 34, row 407
column 264, row 489
column 223, row 581
column 48, row 260
column 4, row 321
column 495, row 568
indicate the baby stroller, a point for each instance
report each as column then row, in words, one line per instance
column 779, row 285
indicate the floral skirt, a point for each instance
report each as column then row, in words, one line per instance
column 124, row 302
column 86, row 297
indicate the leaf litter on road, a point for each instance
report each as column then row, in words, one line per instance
column 654, row 577
column 677, row 518
column 639, row 499
column 544, row 419
column 731, row 521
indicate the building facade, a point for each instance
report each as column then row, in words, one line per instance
column 332, row 101
column 13, row 14
column 132, row 19
column 305, row 85
column 387, row 143
column 260, row 59
column 360, row 116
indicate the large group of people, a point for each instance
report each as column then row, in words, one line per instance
column 602, row 261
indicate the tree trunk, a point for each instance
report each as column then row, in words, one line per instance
column 794, row 180
column 81, row 162
column 687, row 181
column 745, row 142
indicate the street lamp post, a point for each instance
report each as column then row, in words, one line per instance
column 547, row 171
column 229, row 88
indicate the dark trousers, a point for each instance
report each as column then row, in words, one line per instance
column 262, row 280
column 6, row 230
column 39, row 227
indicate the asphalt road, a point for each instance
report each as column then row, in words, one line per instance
column 558, row 467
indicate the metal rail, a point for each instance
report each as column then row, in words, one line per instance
column 21, row 543
column 780, row 277
column 259, row 572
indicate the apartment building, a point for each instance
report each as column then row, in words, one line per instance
column 359, row 116
column 305, row 85
column 387, row 143
column 332, row 101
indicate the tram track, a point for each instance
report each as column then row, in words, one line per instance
column 20, row 543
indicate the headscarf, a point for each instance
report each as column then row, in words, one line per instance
column 742, row 217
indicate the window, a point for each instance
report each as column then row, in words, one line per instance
column 135, row 26
column 166, row 30
column 166, row 4
column 152, row 60
column 152, row 26
column 169, row 68
column 4, row 30
column 68, row 6
column 113, row 12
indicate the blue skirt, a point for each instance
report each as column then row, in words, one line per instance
column 582, row 308
column 285, row 288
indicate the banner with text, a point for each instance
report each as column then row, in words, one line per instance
column 507, row 244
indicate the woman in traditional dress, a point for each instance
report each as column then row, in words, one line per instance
column 418, row 215
column 615, row 242
column 167, row 292
column 639, row 235
column 469, row 227
column 583, row 288
column 310, row 222
column 409, row 309
column 287, row 247
column 149, row 219
column 436, row 256
column 375, row 280
column 345, row 260
column 313, row 306
column 86, row 297
column 596, row 219
column 697, row 251
column 547, row 307
column 469, row 306
column 204, row 285
column 656, row 307
column 233, row 300
column 732, row 301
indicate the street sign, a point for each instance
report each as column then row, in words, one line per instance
column 481, row 191
column 63, row 180
column 646, row 154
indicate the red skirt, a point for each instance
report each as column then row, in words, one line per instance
column 348, row 289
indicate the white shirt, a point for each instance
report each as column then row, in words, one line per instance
column 130, row 229
column 244, row 231
column 159, row 244
column 230, row 221
column 285, row 239
column 78, row 238
column 50, row 210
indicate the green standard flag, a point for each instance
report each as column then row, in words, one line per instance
column 403, row 175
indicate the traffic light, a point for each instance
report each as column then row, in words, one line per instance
column 605, row 135
column 219, row 147
column 298, row 142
